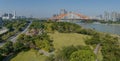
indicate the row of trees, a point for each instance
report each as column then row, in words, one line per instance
column 62, row 27
column 65, row 27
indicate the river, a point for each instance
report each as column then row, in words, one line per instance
column 107, row 28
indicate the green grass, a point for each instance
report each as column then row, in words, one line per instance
column 66, row 39
column 30, row 55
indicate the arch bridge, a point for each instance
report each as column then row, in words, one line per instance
column 70, row 17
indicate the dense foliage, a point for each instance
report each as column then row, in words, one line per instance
column 83, row 55
column 109, row 46
column 65, row 27
column 41, row 40
column 71, row 54
column 97, row 38
column 38, row 41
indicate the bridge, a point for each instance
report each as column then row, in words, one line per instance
column 71, row 16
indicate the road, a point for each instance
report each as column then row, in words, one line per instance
column 13, row 38
column 3, row 30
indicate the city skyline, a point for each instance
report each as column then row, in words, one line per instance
column 47, row 8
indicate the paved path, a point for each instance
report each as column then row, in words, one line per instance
column 46, row 53
column 96, row 50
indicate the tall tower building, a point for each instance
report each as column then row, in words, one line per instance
column 14, row 16
column 114, row 16
column 106, row 16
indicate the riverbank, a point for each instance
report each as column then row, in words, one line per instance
column 107, row 28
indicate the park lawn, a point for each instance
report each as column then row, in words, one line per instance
column 66, row 39
column 30, row 55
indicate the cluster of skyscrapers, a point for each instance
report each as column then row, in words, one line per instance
column 109, row 16
column 9, row 16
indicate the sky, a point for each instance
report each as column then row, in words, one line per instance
column 46, row 8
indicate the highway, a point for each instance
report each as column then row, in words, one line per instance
column 3, row 30
column 14, row 38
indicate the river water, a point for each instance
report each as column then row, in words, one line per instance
column 107, row 28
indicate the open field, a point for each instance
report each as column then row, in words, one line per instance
column 67, row 39
column 30, row 55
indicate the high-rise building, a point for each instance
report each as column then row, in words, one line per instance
column 113, row 16
column 106, row 16
column 63, row 11
column 118, row 16
column 9, row 16
column 1, row 22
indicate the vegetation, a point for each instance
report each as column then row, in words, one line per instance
column 7, row 48
column 71, row 54
column 65, row 27
column 38, row 41
column 1, row 57
column 109, row 45
column 82, row 55
column 62, row 35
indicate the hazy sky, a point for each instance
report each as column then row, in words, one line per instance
column 46, row 8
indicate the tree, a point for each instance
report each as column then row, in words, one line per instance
column 7, row 48
column 18, row 46
column 38, row 43
column 82, row 55
column 64, row 54
column 1, row 57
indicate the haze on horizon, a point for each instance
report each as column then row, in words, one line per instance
column 46, row 8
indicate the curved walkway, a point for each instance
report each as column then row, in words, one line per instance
column 96, row 50
column 46, row 53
